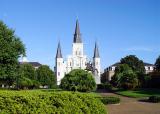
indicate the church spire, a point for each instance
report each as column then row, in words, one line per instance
column 77, row 34
column 96, row 51
column 59, row 54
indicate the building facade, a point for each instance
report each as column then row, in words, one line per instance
column 77, row 60
column 24, row 60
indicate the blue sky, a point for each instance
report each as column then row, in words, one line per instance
column 121, row 27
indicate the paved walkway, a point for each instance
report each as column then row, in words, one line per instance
column 131, row 106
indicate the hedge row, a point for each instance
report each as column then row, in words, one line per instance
column 110, row 100
column 154, row 99
column 49, row 103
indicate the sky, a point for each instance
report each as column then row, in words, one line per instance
column 121, row 27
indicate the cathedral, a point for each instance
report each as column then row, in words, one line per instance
column 77, row 60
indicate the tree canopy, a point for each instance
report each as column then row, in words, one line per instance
column 28, row 71
column 78, row 80
column 27, row 77
column 125, row 77
column 46, row 76
column 11, row 48
column 134, row 62
column 130, row 73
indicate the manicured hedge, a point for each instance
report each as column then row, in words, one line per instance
column 154, row 99
column 28, row 102
column 110, row 100
column 78, row 80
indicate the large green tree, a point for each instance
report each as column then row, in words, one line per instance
column 27, row 77
column 46, row 76
column 28, row 71
column 11, row 48
column 134, row 62
column 125, row 77
column 119, row 72
column 78, row 80
column 128, row 80
column 157, row 64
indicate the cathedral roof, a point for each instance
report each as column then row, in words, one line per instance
column 59, row 54
column 77, row 34
column 96, row 51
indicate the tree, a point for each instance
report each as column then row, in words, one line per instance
column 120, row 69
column 128, row 80
column 27, row 77
column 78, row 80
column 24, row 83
column 46, row 76
column 135, row 63
column 11, row 48
column 28, row 71
column 157, row 64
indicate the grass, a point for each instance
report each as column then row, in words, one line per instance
column 139, row 93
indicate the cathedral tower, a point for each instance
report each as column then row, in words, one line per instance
column 59, row 65
column 77, row 50
column 77, row 47
column 96, row 64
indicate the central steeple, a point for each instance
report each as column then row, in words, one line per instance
column 77, row 34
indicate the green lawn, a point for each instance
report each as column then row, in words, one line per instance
column 139, row 93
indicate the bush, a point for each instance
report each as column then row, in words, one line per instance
column 100, row 86
column 78, row 80
column 108, row 86
column 110, row 100
column 32, row 102
column 154, row 82
column 154, row 99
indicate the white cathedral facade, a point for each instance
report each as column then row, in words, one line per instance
column 77, row 60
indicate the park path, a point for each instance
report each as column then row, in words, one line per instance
column 131, row 105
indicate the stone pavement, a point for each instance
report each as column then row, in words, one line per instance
column 131, row 106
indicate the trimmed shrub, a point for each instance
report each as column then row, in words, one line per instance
column 110, row 100
column 100, row 86
column 154, row 99
column 78, row 80
column 108, row 86
column 38, row 102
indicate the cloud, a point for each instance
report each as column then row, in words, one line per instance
column 136, row 48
